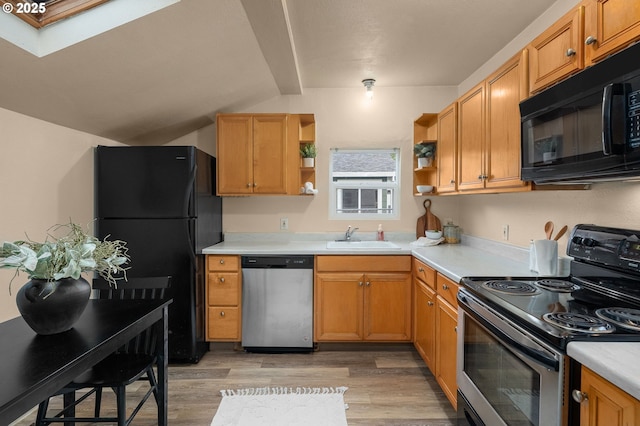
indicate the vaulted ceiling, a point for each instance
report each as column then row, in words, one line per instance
column 168, row 73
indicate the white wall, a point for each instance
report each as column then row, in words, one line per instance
column 345, row 119
column 46, row 175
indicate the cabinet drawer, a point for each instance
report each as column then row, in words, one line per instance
column 424, row 273
column 367, row 263
column 448, row 289
column 224, row 323
column 224, row 289
column 217, row 262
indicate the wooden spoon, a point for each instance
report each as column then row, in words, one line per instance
column 560, row 233
column 548, row 229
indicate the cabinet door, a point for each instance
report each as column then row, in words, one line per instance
column 235, row 154
column 338, row 302
column 446, row 151
column 223, row 323
column 387, row 307
column 424, row 326
column 270, row 154
column 446, row 327
column 605, row 403
column 471, row 122
column 610, row 25
column 557, row 52
column 505, row 89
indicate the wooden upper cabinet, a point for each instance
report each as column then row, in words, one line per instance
column 252, row 154
column 447, row 149
column 505, row 88
column 610, row 25
column 471, row 143
column 557, row 52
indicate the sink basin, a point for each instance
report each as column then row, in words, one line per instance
column 362, row 245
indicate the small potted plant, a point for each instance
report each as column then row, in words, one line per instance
column 57, row 294
column 425, row 152
column 308, row 152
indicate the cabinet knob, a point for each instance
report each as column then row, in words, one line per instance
column 452, row 181
column 249, row 185
column 480, row 177
column 222, row 314
column 420, row 269
column 579, row 396
column 429, row 303
column 367, row 284
column 590, row 40
column 255, row 185
column 360, row 283
column 570, row 52
column 445, row 287
column 221, row 279
column 455, row 329
column 222, row 261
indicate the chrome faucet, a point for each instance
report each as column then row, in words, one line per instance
column 349, row 233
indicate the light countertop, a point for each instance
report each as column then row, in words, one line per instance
column 615, row 361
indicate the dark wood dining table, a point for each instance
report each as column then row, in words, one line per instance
column 33, row 367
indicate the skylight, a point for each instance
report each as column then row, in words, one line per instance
column 39, row 13
column 42, row 28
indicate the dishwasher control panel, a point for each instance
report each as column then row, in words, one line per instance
column 278, row 261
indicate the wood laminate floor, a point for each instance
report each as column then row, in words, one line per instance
column 388, row 384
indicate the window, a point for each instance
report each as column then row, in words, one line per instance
column 364, row 184
column 39, row 13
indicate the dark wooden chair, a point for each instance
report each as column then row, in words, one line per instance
column 132, row 362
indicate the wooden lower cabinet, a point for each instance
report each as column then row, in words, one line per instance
column 606, row 404
column 223, row 296
column 435, row 325
column 362, row 298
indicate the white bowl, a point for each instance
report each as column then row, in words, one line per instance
column 433, row 235
column 424, row 188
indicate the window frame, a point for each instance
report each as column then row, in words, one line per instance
column 56, row 10
column 395, row 186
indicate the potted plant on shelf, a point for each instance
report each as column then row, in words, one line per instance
column 308, row 152
column 425, row 152
column 56, row 294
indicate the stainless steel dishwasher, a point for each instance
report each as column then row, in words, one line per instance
column 277, row 303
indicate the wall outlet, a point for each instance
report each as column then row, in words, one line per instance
column 284, row 223
column 505, row 232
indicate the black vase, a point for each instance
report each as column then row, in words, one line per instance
column 51, row 307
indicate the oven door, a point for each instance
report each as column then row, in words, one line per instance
column 505, row 376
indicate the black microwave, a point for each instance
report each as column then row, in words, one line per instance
column 587, row 127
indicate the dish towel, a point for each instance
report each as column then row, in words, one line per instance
column 426, row 242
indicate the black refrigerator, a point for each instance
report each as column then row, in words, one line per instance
column 161, row 200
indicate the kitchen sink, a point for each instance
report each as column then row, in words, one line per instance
column 362, row 245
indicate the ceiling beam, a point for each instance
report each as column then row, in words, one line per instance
column 269, row 20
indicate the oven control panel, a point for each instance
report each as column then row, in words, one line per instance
column 615, row 247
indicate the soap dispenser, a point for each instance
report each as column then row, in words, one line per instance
column 380, row 236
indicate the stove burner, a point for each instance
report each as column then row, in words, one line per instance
column 560, row 286
column 520, row 288
column 578, row 322
column 623, row 317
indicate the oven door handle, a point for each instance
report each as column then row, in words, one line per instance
column 534, row 354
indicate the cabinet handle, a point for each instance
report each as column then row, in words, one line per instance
column 579, row 396
column 255, row 185
column 455, row 329
column 570, row 52
column 360, row 283
column 590, row 40
column 367, row 284
column 420, row 269
column 429, row 303
column 221, row 279
column 480, row 177
column 248, row 185
column 222, row 261
column 445, row 287
column 452, row 181
column 222, row 313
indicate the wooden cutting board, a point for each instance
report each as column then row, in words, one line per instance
column 427, row 222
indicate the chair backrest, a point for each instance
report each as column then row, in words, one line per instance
column 138, row 288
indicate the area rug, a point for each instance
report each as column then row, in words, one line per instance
column 282, row 406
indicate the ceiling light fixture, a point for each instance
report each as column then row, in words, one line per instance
column 368, row 83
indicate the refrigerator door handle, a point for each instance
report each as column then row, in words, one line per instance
column 190, row 231
column 189, row 191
